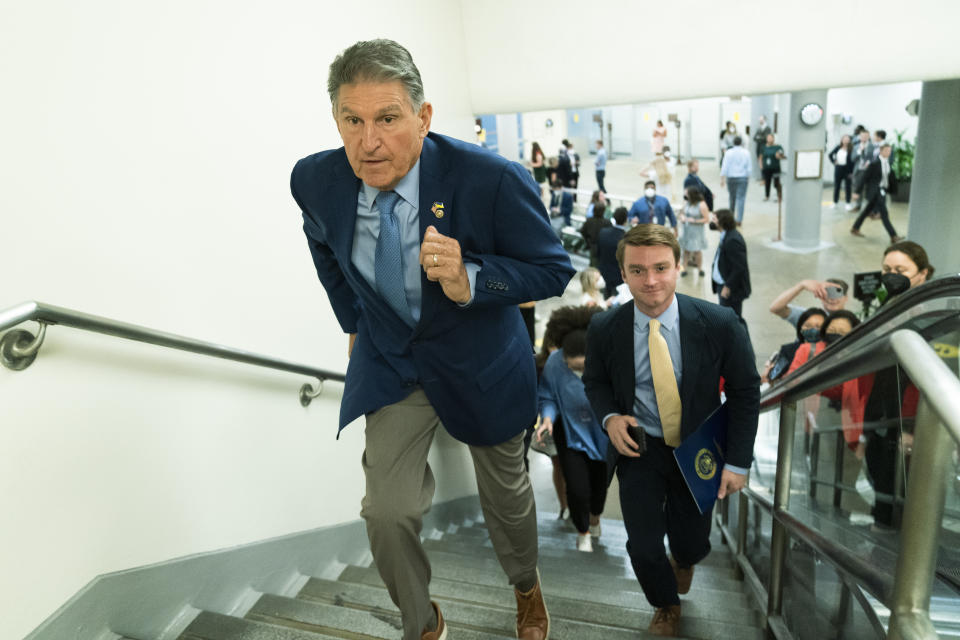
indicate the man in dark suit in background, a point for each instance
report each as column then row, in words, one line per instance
column 607, row 240
column 425, row 246
column 693, row 180
column 652, row 375
column 731, row 273
column 878, row 181
column 591, row 227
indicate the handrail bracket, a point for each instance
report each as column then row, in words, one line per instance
column 19, row 348
column 307, row 394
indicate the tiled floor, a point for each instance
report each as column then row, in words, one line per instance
column 771, row 271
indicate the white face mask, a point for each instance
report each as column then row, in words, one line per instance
column 601, row 283
column 579, row 374
column 650, row 192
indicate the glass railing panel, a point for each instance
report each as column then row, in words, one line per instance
column 817, row 603
column 757, row 548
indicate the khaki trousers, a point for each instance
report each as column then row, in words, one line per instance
column 400, row 488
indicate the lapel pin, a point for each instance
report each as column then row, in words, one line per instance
column 437, row 209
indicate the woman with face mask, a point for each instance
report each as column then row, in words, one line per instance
column 808, row 332
column 840, row 416
column 581, row 443
column 834, row 327
column 889, row 395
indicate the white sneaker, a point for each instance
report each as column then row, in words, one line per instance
column 595, row 530
column 850, row 207
column 584, row 542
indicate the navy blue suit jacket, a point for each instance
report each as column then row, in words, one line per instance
column 714, row 344
column 474, row 363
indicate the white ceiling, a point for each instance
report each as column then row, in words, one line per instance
column 526, row 55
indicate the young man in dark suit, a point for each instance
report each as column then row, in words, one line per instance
column 878, row 181
column 425, row 246
column 731, row 273
column 652, row 375
column 607, row 240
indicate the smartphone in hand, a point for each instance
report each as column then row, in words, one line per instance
column 638, row 435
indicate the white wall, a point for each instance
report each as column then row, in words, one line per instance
column 876, row 107
column 535, row 129
column 698, row 48
column 145, row 168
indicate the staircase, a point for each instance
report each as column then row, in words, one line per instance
column 589, row 595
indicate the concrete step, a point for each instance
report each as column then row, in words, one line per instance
column 585, row 566
column 717, row 563
column 610, row 529
column 497, row 619
column 454, row 566
column 570, row 600
column 215, row 626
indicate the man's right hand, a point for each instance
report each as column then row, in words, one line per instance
column 353, row 338
column 617, row 430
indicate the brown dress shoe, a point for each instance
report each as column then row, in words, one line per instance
column 533, row 621
column 856, row 232
column 440, row 633
column 666, row 622
column 684, row 576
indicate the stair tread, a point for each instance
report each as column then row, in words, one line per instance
column 587, row 572
column 565, row 600
column 380, row 619
column 499, row 618
column 215, row 626
column 717, row 563
column 564, row 537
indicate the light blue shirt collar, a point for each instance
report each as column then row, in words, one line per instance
column 408, row 188
column 668, row 319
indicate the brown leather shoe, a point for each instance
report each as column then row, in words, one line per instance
column 533, row 621
column 440, row 633
column 856, row 232
column 684, row 576
column 666, row 622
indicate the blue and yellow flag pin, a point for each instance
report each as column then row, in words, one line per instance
column 437, row 209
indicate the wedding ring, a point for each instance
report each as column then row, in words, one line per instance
column 435, row 262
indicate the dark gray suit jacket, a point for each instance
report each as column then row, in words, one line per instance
column 714, row 344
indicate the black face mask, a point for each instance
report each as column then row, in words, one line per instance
column 830, row 338
column 713, row 226
column 895, row 283
column 810, row 335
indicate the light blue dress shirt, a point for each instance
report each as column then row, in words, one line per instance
column 645, row 408
column 601, row 162
column 367, row 231
column 736, row 163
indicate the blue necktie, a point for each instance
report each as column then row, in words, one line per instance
column 388, row 264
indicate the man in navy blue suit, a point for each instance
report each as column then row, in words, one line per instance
column 652, row 376
column 425, row 246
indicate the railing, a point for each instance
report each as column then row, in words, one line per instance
column 897, row 335
column 19, row 347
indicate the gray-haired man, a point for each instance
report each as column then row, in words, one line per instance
column 425, row 246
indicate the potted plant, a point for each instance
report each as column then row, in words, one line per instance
column 902, row 166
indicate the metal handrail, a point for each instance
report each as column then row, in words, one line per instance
column 18, row 348
column 861, row 351
column 891, row 337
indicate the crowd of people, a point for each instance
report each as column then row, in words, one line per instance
column 438, row 314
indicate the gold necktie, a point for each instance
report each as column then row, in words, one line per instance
column 664, row 385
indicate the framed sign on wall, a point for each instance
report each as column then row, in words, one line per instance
column 808, row 164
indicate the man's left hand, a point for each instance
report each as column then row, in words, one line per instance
column 730, row 483
column 725, row 292
column 441, row 260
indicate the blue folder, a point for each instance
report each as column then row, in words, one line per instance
column 701, row 458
